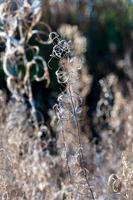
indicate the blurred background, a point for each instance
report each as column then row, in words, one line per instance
column 105, row 40
column 101, row 35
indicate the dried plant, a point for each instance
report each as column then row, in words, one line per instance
column 68, row 110
column 77, row 168
column 18, row 20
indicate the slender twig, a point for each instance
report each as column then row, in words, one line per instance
column 65, row 147
column 28, row 83
column 80, row 144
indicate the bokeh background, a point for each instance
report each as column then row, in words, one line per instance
column 105, row 38
column 101, row 35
